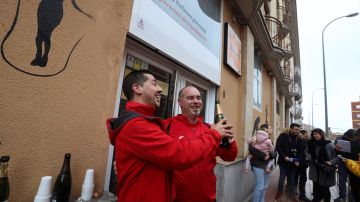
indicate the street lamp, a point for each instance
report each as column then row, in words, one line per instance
column 323, row 51
column 312, row 107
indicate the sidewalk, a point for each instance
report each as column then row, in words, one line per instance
column 272, row 189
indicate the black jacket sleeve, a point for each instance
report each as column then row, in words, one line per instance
column 257, row 153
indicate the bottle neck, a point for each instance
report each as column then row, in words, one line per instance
column 66, row 166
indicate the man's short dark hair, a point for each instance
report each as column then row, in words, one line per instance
column 293, row 125
column 134, row 77
column 303, row 132
column 349, row 135
column 264, row 126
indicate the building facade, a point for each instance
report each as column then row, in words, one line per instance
column 355, row 112
column 63, row 64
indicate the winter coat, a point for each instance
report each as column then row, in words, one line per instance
column 146, row 156
column 198, row 183
column 261, row 142
column 353, row 166
column 320, row 152
column 258, row 159
column 288, row 145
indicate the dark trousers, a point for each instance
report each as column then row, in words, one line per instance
column 300, row 179
column 342, row 180
column 289, row 173
column 321, row 192
column 355, row 187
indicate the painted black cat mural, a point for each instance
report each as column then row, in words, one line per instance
column 49, row 16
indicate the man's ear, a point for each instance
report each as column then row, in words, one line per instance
column 136, row 88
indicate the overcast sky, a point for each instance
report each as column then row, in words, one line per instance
column 342, row 59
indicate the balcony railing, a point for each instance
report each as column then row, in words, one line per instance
column 286, row 46
column 285, row 64
column 297, row 91
column 285, row 19
column 274, row 27
column 291, row 89
column 298, row 110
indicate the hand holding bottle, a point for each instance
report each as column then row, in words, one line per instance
column 224, row 129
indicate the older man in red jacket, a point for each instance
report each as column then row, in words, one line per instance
column 145, row 155
column 198, row 183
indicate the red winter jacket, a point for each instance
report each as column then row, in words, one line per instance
column 145, row 156
column 198, row 183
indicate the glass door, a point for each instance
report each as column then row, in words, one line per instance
column 207, row 92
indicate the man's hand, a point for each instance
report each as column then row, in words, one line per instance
column 224, row 129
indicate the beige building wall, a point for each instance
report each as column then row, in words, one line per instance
column 43, row 117
column 266, row 111
column 235, row 92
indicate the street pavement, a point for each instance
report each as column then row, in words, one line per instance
column 272, row 189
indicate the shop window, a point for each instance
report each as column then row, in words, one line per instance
column 257, row 84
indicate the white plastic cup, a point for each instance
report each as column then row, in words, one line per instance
column 88, row 185
column 89, row 178
column 87, row 192
column 44, row 192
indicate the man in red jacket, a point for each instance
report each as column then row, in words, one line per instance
column 198, row 183
column 145, row 155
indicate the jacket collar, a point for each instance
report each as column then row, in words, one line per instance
column 184, row 119
column 143, row 109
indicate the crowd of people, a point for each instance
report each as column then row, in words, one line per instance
column 299, row 154
column 173, row 160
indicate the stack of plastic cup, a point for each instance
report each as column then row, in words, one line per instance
column 88, row 185
column 44, row 192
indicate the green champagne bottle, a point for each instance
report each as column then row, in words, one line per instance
column 219, row 116
column 62, row 187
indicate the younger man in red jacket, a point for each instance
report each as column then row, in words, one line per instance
column 198, row 183
column 145, row 155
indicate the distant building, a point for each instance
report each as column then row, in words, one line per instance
column 307, row 127
column 355, row 111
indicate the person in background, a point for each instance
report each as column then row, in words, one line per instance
column 261, row 165
column 262, row 142
column 342, row 171
column 197, row 183
column 354, row 181
column 353, row 166
column 145, row 155
column 321, row 152
column 289, row 148
column 301, row 175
